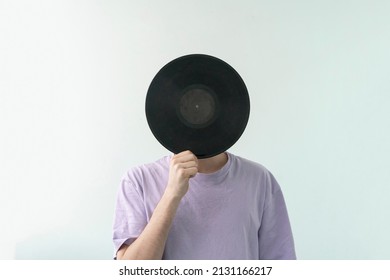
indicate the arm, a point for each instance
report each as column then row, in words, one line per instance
column 276, row 240
column 151, row 242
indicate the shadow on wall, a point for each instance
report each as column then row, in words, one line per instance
column 65, row 245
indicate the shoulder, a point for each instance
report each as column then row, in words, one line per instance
column 246, row 165
column 251, row 169
column 142, row 172
column 143, row 182
column 147, row 175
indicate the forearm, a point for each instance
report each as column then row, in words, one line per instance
column 151, row 242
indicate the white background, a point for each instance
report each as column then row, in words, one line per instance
column 73, row 79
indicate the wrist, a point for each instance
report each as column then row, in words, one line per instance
column 172, row 196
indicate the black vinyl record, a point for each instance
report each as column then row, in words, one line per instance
column 199, row 103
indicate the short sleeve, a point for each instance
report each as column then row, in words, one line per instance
column 275, row 235
column 129, row 216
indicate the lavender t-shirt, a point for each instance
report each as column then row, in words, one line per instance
column 237, row 212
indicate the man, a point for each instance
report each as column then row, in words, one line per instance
column 181, row 207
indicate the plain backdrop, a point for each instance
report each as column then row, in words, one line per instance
column 73, row 80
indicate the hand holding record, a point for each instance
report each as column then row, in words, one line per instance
column 182, row 167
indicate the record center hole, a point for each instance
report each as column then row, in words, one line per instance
column 197, row 106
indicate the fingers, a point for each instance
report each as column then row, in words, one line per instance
column 190, row 172
column 185, row 156
column 185, row 164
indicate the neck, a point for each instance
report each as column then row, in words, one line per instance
column 212, row 164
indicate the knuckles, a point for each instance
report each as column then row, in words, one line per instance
column 186, row 171
column 173, row 161
column 181, row 172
